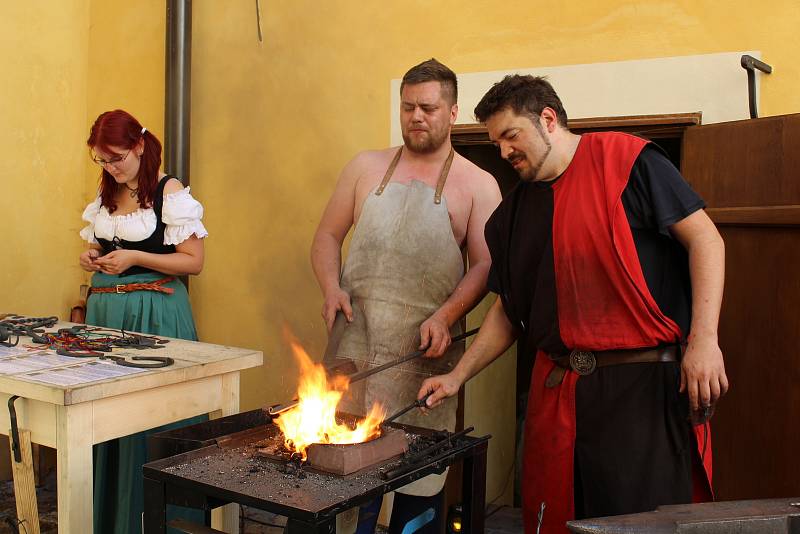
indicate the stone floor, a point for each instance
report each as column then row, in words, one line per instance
column 46, row 501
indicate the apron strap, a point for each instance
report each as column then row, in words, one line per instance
column 389, row 172
column 437, row 197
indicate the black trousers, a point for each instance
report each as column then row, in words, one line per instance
column 634, row 447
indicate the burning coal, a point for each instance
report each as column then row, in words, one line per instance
column 313, row 420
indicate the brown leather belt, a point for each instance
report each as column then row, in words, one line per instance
column 157, row 286
column 584, row 362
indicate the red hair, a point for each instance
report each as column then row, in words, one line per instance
column 119, row 128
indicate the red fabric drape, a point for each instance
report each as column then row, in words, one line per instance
column 603, row 303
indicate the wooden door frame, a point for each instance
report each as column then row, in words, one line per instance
column 649, row 126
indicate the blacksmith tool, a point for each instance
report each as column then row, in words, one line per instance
column 138, row 342
column 140, row 361
column 277, row 409
column 408, row 357
column 12, row 414
column 81, row 353
column 439, row 450
column 19, row 325
column 419, row 403
column 5, row 337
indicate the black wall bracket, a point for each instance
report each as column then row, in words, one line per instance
column 750, row 64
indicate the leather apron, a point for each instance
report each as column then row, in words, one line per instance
column 402, row 265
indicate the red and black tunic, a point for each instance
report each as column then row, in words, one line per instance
column 586, row 261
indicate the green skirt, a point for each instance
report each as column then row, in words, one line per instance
column 118, row 481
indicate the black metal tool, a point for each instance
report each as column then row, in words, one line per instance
column 750, row 64
column 419, row 403
column 361, row 375
column 12, row 414
column 439, row 450
column 5, row 337
column 135, row 341
column 408, row 357
column 155, row 362
column 19, row 325
column 79, row 353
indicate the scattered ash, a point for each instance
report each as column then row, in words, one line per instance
column 266, row 470
column 419, row 443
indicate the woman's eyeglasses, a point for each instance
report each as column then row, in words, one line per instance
column 111, row 161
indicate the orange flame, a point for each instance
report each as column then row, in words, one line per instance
column 313, row 420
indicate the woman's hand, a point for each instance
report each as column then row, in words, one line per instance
column 118, row 261
column 87, row 260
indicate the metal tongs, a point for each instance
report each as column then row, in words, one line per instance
column 361, row 375
column 419, row 403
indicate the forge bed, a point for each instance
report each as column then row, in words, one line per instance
column 222, row 461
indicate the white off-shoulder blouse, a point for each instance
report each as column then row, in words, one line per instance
column 181, row 214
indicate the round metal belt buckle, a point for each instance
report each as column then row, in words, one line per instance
column 582, row 362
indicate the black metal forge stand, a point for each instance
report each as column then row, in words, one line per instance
column 220, row 471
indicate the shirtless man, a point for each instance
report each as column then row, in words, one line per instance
column 414, row 209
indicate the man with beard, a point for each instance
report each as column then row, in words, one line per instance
column 414, row 208
column 604, row 261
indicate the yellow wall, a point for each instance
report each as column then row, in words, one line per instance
column 125, row 67
column 273, row 123
column 64, row 63
column 42, row 161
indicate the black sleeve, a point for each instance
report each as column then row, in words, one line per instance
column 493, row 282
column 657, row 196
column 490, row 232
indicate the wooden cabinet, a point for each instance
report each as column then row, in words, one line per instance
column 749, row 174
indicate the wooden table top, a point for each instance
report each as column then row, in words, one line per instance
column 193, row 360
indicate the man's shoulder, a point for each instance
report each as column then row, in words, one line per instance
column 473, row 177
column 367, row 163
column 373, row 157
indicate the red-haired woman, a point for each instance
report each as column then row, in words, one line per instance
column 144, row 229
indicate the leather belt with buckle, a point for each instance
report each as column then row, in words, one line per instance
column 157, row 286
column 584, row 362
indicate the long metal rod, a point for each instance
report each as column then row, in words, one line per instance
column 408, row 357
column 178, row 75
column 355, row 377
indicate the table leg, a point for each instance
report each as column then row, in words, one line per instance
column 474, row 490
column 155, row 507
column 74, row 468
column 226, row 518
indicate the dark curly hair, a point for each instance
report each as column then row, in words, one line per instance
column 524, row 95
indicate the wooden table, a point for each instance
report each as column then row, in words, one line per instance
column 203, row 379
